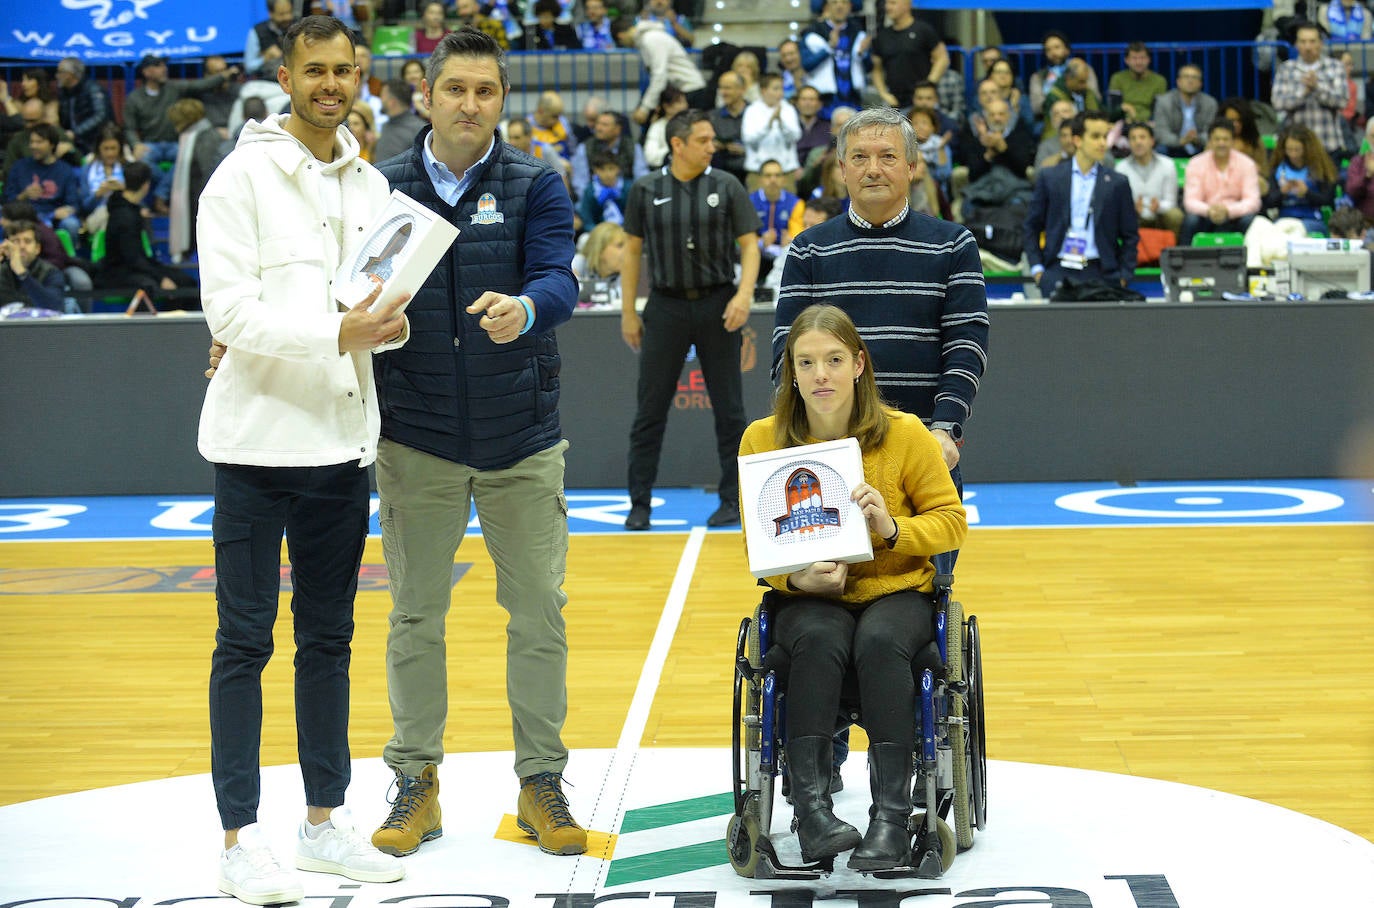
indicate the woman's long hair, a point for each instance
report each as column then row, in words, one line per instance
column 869, row 420
column 43, row 79
column 670, row 96
column 1314, row 156
column 1248, row 130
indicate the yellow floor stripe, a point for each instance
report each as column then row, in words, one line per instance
column 599, row 844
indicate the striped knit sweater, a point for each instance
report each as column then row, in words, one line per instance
column 914, row 289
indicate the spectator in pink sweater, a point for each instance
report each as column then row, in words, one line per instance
column 1220, row 189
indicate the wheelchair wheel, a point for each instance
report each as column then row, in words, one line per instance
column 752, row 647
column 958, row 730
column 978, row 752
column 947, row 849
column 742, row 839
column 744, row 736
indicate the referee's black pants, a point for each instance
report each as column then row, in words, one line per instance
column 672, row 325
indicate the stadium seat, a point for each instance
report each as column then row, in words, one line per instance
column 1218, row 239
column 98, row 246
column 109, row 304
column 65, row 239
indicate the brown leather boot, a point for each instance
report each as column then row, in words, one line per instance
column 543, row 813
column 415, row 816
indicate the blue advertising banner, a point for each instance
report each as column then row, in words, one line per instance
column 118, row 31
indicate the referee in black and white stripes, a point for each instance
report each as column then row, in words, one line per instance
column 696, row 223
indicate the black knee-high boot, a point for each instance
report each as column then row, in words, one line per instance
column 887, row 843
column 819, row 831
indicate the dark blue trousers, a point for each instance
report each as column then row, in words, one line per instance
column 323, row 512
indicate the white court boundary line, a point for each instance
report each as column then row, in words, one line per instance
column 610, row 800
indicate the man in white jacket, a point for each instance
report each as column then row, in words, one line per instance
column 666, row 61
column 290, row 422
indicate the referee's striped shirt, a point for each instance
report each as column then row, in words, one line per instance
column 689, row 229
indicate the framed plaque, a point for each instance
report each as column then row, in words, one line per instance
column 797, row 510
column 399, row 250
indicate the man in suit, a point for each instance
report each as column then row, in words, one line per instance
column 1183, row 115
column 1086, row 213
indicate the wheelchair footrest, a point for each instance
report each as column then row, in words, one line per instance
column 930, row 866
column 925, row 866
column 771, row 867
column 925, row 863
column 927, row 855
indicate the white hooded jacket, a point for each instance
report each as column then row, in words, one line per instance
column 283, row 395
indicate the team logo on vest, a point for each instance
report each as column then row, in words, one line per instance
column 806, row 512
column 713, row 199
column 486, row 211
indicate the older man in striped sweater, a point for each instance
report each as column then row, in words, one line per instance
column 912, row 284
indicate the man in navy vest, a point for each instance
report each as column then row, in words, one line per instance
column 470, row 416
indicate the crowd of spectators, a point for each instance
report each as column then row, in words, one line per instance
column 1299, row 152
column 982, row 151
column 91, row 182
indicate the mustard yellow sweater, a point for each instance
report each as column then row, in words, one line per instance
column 910, row 473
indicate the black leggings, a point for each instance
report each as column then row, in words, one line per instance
column 822, row 637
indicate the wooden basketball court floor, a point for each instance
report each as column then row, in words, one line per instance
column 1233, row 658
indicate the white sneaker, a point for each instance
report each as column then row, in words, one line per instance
column 250, row 872
column 346, row 851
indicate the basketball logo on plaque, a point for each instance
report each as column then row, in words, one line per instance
column 797, row 509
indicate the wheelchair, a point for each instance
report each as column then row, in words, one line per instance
column 950, row 763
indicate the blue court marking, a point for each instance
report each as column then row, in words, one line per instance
column 1088, row 504
column 1003, row 505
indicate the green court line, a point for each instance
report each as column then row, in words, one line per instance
column 665, row 863
column 675, row 812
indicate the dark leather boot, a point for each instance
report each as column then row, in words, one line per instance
column 887, row 843
column 820, row 832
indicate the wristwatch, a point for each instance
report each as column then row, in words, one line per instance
column 956, row 431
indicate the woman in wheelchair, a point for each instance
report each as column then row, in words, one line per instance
column 876, row 615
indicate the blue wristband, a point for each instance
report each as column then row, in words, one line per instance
column 529, row 314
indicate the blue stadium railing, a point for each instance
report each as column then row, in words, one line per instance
column 1229, row 68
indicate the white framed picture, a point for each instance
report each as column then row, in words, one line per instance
column 797, row 510
column 399, row 249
